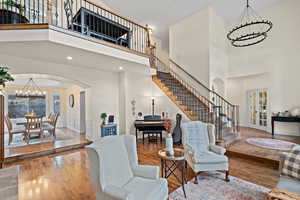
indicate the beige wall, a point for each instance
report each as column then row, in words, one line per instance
column 277, row 58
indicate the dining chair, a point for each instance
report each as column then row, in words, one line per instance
column 34, row 125
column 12, row 130
column 50, row 116
column 51, row 125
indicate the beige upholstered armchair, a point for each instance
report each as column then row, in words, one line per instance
column 116, row 174
column 201, row 152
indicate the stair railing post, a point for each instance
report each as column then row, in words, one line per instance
column 49, row 11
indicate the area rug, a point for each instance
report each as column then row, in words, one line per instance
column 269, row 143
column 212, row 186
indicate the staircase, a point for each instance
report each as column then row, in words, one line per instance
column 206, row 106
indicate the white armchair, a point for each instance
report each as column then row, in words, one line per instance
column 116, row 174
column 201, row 152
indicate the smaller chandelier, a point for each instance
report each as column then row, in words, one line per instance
column 31, row 90
column 251, row 30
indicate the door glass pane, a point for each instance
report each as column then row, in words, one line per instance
column 56, row 103
column 252, row 107
column 262, row 103
column 37, row 106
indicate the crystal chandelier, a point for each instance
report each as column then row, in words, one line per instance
column 31, row 90
column 251, row 30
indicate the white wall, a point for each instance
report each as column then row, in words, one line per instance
column 218, row 52
column 278, row 58
column 73, row 113
column 162, row 54
column 140, row 87
column 189, row 44
column 237, row 92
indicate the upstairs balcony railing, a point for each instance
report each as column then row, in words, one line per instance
column 80, row 16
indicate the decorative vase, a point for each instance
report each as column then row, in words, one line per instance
column 169, row 145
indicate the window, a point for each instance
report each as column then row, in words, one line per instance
column 56, row 103
column 18, row 106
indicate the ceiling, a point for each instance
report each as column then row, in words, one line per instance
column 160, row 14
column 40, row 80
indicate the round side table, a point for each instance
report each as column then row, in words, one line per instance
column 169, row 164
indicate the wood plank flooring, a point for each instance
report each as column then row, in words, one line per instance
column 244, row 149
column 65, row 175
column 66, row 139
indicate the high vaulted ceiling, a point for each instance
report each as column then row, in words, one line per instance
column 162, row 13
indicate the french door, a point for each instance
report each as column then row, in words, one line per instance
column 257, row 101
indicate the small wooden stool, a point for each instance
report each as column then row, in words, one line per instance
column 278, row 194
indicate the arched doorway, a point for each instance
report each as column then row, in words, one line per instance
column 68, row 130
column 218, row 86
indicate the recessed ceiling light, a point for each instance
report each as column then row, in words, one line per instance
column 120, row 68
column 69, row 57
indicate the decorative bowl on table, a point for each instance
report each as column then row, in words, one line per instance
column 295, row 112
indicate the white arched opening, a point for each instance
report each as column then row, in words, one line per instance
column 218, row 86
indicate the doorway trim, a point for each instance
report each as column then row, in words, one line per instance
column 257, row 126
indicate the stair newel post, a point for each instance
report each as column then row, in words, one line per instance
column 233, row 118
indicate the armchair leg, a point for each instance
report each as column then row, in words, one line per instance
column 196, row 178
column 227, row 176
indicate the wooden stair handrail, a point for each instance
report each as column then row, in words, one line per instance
column 207, row 100
column 191, row 76
column 197, row 81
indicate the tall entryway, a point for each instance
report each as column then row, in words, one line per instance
column 257, row 108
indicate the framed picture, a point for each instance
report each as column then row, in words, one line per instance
column 111, row 119
column 71, row 100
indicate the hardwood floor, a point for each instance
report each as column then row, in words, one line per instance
column 66, row 139
column 65, row 175
column 242, row 148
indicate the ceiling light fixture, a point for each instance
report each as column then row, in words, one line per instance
column 69, row 57
column 120, row 68
column 149, row 29
column 252, row 29
column 31, row 90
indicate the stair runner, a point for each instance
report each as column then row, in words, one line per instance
column 196, row 109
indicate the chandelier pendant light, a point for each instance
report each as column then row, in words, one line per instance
column 251, row 30
column 31, row 90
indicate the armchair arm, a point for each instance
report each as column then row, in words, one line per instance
column 217, row 149
column 146, row 171
column 282, row 157
column 188, row 149
column 118, row 193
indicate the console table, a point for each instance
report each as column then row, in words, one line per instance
column 283, row 119
column 92, row 24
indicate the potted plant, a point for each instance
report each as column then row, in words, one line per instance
column 13, row 6
column 5, row 76
column 103, row 117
